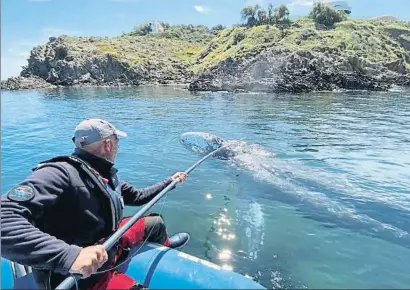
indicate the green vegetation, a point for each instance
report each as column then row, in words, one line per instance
column 175, row 44
column 142, row 29
column 326, row 15
column 105, row 48
column 190, row 33
column 200, row 47
column 255, row 15
column 189, row 53
column 134, row 49
column 368, row 39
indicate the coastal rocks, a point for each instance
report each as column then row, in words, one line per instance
column 22, row 83
column 237, row 66
column 356, row 64
column 398, row 66
column 396, row 32
column 297, row 72
column 57, row 64
column 65, row 62
column 404, row 42
column 403, row 80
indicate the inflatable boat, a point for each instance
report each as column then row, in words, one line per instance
column 155, row 266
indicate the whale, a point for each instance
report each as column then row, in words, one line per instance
column 205, row 143
column 317, row 195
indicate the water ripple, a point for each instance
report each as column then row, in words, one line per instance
column 329, row 209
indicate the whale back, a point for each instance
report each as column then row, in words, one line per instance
column 204, row 143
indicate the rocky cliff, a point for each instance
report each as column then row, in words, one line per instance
column 355, row 54
column 128, row 60
column 300, row 71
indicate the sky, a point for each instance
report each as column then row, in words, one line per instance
column 28, row 23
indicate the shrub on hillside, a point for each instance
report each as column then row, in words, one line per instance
column 326, row 15
column 238, row 37
column 143, row 29
column 191, row 33
column 256, row 15
column 218, row 28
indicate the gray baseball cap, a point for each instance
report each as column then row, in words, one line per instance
column 93, row 130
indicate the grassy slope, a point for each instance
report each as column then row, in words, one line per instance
column 369, row 39
column 135, row 49
column 372, row 40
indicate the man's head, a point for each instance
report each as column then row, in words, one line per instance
column 98, row 137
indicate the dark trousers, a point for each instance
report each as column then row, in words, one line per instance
column 155, row 230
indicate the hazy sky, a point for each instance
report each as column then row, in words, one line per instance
column 26, row 23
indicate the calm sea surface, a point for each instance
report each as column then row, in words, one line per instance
column 320, row 199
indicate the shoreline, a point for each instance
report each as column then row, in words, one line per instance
column 80, row 86
column 301, row 58
column 185, row 87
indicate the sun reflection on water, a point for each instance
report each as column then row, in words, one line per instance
column 222, row 227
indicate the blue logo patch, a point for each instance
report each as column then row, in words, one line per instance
column 21, row 193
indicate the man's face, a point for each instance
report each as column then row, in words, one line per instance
column 112, row 147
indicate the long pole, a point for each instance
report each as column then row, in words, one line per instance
column 111, row 241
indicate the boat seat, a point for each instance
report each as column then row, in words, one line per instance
column 25, row 282
column 23, row 277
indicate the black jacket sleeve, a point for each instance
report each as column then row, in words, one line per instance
column 21, row 240
column 140, row 196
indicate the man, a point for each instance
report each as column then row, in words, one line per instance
column 56, row 219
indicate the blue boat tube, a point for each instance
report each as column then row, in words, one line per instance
column 155, row 266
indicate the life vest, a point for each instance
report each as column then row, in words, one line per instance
column 114, row 195
column 92, row 180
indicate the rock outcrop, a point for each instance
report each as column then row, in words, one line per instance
column 62, row 62
column 355, row 55
column 297, row 72
column 23, row 83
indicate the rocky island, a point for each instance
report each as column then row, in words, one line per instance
column 326, row 50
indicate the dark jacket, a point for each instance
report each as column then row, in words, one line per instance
column 58, row 213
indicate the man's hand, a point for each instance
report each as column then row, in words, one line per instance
column 180, row 175
column 89, row 261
